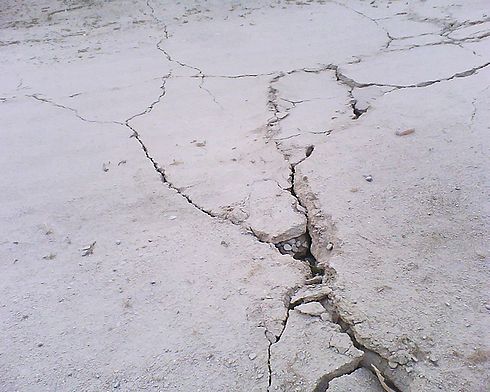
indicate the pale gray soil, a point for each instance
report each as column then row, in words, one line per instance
column 245, row 196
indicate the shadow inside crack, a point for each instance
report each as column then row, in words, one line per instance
column 300, row 249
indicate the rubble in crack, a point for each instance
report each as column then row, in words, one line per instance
column 359, row 380
column 298, row 247
column 274, row 215
column 310, row 293
column 311, row 352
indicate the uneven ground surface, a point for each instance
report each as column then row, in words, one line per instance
column 244, row 196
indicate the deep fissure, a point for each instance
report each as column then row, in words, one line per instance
column 356, row 111
column 305, row 254
column 369, row 357
column 303, row 243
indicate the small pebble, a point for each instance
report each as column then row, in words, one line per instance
column 326, row 317
column 252, row 356
column 118, row 242
column 287, row 247
column 368, row 178
column 311, row 308
column 329, row 246
column 314, row 280
column 172, row 217
column 405, row 132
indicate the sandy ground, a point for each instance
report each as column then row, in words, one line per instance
column 244, row 196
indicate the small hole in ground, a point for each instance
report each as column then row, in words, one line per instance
column 300, row 249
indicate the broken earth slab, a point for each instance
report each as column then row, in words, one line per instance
column 310, row 293
column 311, row 309
column 274, row 214
column 365, row 97
column 404, row 68
column 218, row 156
column 155, row 297
column 315, row 104
column 361, row 380
column 412, row 42
column 309, row 354
column 412, row 238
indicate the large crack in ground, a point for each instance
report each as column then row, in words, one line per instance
column 299, row 248
column 322, row 293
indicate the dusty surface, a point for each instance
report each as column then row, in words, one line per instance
column 260, row 196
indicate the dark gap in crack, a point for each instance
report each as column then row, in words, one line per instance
column 369, row 357
column 162, row 174
column 309, row 151
column 269, row 367
column 300, row 247
column 345, row 370
column 315, row 267
column 357, row 112
column 304, row 254
column 278, row 338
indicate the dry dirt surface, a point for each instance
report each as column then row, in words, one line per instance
column 245, row 196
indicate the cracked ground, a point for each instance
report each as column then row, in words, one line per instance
column 245, row 196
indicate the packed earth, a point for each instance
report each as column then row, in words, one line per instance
column 245, row 195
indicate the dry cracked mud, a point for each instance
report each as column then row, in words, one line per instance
column 245, row 196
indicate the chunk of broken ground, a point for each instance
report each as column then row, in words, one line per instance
column 311, row 352
column 310, row 293
column 311, row 308
column 275, row 215
column 361, row 380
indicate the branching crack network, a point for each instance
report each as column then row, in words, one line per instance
column 273, row 105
